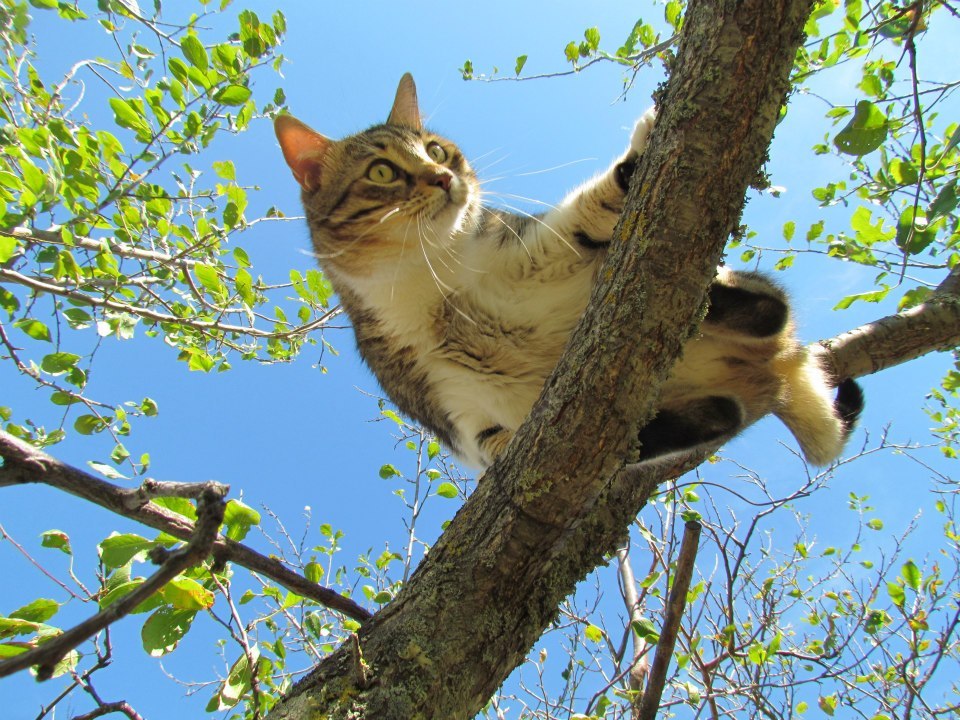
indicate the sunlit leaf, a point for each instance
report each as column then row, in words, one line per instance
column 865, row 132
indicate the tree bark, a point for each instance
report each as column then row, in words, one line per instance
column 561, row 496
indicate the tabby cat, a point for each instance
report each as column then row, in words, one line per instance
column 462, row 311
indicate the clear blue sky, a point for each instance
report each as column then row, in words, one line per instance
column 289, row 436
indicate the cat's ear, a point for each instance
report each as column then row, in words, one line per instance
column 405, row 110
column 303, row 149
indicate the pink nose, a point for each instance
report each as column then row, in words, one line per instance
column 441, row 179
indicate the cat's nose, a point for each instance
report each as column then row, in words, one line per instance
column 442, row 179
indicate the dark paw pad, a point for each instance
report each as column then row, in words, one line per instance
column 700, row 422
column 745, row 312
column 624, row 172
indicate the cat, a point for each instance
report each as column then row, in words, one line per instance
column 462, row 311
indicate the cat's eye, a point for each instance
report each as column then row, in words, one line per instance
column 436, row 152
column 381, row 172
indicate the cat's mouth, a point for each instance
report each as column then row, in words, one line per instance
column 445, row 202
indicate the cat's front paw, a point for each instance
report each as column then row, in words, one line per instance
column 642, row 130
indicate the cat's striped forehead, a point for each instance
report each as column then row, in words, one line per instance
column 383, row 138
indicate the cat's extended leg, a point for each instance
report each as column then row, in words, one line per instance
column 698, row 422
column 589, row 213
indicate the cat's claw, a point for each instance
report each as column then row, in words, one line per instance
column 641, row 131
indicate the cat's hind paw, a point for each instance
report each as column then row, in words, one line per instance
column 641, row 131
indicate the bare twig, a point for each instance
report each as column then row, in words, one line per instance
column 108, row 708
column 671, row 622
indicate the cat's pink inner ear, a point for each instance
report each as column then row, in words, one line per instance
column 405, row 110
column 303, row 149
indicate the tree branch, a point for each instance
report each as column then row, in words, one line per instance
column 931, row 326
column 210, row 508
column 23, row 464
column 676, row 604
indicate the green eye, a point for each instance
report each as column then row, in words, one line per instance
column 381, row 172
column 436, row 152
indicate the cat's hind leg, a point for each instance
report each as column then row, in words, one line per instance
column 746, row 305
column 698, row 422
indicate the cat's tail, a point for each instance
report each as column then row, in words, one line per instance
column 819, row 416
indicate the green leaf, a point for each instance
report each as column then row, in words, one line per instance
column 184, row 593
column 106, row 470
column 164, row 629
column 225, row 170
column 593, row 633
column 944, row 204
column 867, row 232
column 119, row 590
column 388, row 471
column 238, row 519
column 646, row 630
column 8, row 247
column 571, row 52
column 89, row 424
column 897, row 596
column 209, row 278
column 789, row 228
column 128, row 115
column 117, row 550
column 673, row 13
column 233, row 95
column 39, row 611
column 34, row 328
column 874, row 297
column 447, row 490
column 521, row 61
column 194, row 51
column 865, row 132
column 914, row 233
column 313, row 572
column 58, row 540
column 592, row 36
column 77, row 318
column 58, row 363
column 911, row 574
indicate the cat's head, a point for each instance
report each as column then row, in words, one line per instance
column 375, row 194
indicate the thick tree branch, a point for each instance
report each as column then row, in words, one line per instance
column 933, row 325
column 23, row 464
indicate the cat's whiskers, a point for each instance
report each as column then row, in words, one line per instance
column 390, row 214
column 549, row 228
column 555, row 167
column 441, row 286
column 429, row 235
column 513, row 232
column 348, row 247
column 403, row 247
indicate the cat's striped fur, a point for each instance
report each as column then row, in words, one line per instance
column 463, row 311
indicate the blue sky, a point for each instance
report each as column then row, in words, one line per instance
column 289, row 436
